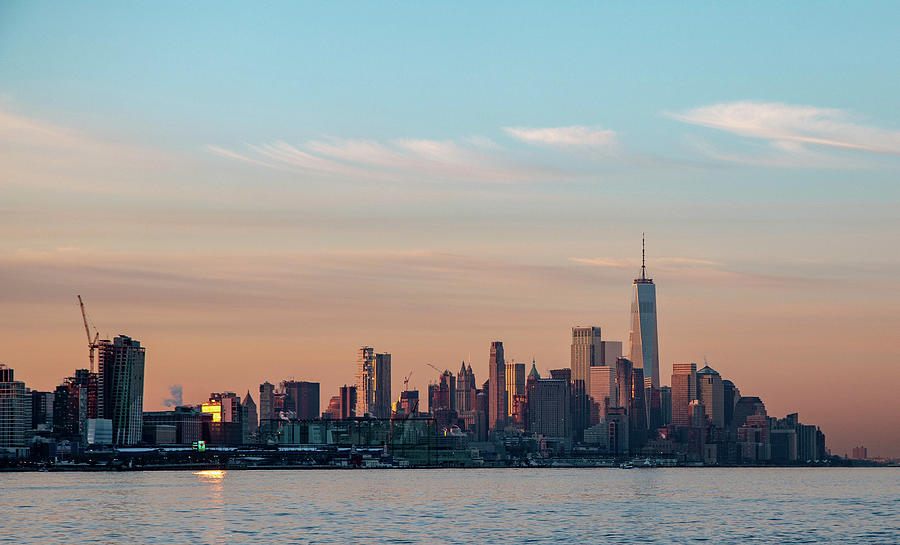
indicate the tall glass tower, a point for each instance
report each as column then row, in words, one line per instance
column 643, row 338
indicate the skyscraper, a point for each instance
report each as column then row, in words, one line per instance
column 712, row 394
column 497, row 389
column 381, row 397
column 15, row 409
column 365, row 387
column 266, row 401
column 121, row 387
column 586, row 352
column 465, row 389
column 549, row 408
column 624, row 383
column 602, row 392
column 515, row 384
column 643, row 340
column 301, row 398
column 684, row 390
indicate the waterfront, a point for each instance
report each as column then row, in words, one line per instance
column 737, row 505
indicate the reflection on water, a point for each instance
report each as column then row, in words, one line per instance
column 211, row 475
column 455, row 506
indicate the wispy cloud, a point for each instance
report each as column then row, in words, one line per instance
column 576, row 136
column 791, row 127
column 635, row 263
column 474, row 159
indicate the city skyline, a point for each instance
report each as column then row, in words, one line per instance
column 257, row 205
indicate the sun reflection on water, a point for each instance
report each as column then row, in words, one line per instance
column 211, row 475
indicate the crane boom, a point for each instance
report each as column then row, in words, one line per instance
column 92, row 343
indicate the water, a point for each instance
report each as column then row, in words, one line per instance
column 454, row 506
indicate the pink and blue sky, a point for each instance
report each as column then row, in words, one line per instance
column 254, row 191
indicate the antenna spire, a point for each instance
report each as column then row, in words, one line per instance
column 643, row 258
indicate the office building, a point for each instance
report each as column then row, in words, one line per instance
column 603, row 391
column 42, row 410
column 121, row 387
column 684, row 390
column 712, row 394
column 745, row 407
column 187, row 422
column 549, row 408
column 266, row 401
column 301, row 399
column 859, row 453
column 497, row 405
column 730, row 395
column 515, row 384
column 643, row 339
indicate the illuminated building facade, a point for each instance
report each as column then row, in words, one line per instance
column 515, row 384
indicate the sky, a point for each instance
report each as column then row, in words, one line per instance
column 256, row 191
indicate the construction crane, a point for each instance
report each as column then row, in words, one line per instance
column 435, row 367
column 406, row 382
column 92, row 342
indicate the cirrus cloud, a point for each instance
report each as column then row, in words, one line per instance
column 789, row 126
column 576, row 136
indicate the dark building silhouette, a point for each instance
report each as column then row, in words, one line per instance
column 301, row 398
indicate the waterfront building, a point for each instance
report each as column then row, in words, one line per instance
column 859, row 453
column 15, row 411
column 712, row 394
column 187, row 422
column 266, row 401
column 753, row 439
column 515, row 384
column 497, row 405
column 684, row 390
column 643, row 339
column 549, row 408
column 300, row 398
column 225, row 426
column 121, row 387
